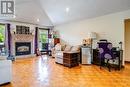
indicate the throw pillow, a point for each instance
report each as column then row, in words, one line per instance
column 75, row 48
column 63, row 47
column 58, row 47
column 68, row 48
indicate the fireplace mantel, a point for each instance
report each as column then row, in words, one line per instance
column 23, row 37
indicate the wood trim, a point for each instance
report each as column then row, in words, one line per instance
column 127, row 20
column 43, row 28
column 125, row 27
column 127, row 61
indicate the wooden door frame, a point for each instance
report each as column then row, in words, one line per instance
column 125, row 38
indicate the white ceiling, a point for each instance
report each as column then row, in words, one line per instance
column 52, row 12
column 29, row 11
column 80, row 9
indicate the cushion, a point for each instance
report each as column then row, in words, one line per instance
column 59, row 54
column 63, row 47
column 75, row 48
column 68, row 48
column 58, row 47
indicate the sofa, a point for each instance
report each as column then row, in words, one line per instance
column 55, row 49
column 60, row 49
column 5, row 71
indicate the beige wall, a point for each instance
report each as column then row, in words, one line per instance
column 109, row 27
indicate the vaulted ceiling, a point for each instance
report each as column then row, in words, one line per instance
column 29, row 11
column 53, row 12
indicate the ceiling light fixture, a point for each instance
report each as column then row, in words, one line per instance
column 38, row 20
column 67, row 9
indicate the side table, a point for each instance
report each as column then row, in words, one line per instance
column 71, row 59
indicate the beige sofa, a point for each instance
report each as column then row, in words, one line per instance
column 60, row 49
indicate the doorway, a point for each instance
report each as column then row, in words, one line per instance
column 43, row 39
column 127, row 40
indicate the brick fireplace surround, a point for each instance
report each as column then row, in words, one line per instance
column 27, row 38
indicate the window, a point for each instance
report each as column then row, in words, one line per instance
column 44, row 36
column 2, row 34
column 2, row 40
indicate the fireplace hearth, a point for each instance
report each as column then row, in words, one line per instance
column 22, row 48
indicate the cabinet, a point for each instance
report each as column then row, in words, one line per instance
column 70, row 59
column 96, row 59
column 22, row 29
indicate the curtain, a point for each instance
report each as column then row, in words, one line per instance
column 9, row 39
column 36, row 39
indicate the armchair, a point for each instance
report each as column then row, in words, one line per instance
column 5, row 71
column 55, row 49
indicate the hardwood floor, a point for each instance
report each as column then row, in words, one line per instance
column 43, row 72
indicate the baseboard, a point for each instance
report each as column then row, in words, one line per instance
column 25, row 56
column 122, row 66
column 1, row 85
column 127, row 61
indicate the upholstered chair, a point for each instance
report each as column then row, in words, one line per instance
column 105, row 54
column 55, row 49
column 5, row 71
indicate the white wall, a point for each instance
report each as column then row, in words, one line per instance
column 109, row 27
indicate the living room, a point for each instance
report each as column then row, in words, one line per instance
column 54, row 43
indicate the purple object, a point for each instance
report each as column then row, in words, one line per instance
column 9, row 39
column 105, row 50
column 36, row 39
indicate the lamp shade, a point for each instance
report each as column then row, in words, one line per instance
column 92, row 35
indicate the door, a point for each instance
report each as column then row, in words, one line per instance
column 43, row 39
column 127, row 40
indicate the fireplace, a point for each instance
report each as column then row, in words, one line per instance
column 22, row 48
